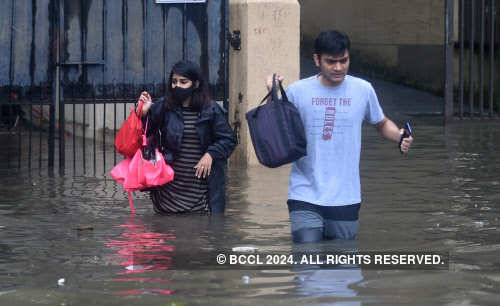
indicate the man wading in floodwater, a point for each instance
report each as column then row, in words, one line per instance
column 324, row 193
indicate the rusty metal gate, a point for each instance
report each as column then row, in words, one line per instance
column 70, row 70
column 470, row 91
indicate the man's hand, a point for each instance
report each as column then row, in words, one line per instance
column 269, row 81
column 406, row 143
column 146, row 99
column 204, row 166
column 390, row 130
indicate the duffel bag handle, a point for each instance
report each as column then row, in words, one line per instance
column 273, row 92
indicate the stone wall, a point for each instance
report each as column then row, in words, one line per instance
column 396, row 40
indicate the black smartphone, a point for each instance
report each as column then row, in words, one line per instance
column 407, row 133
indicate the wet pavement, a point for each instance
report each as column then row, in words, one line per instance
column 70, row 240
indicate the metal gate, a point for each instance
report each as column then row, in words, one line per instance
column 470, row 91
column 70, row 70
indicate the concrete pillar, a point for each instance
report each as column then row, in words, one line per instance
column 270, row 42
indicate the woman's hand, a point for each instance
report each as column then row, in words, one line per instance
column 204, row 166
column 146, row 99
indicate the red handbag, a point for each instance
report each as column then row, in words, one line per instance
column 128, row 140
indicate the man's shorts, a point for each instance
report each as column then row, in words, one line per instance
column 330, row 222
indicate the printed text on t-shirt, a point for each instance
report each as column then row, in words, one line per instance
column 330, row 111
column 320, row 101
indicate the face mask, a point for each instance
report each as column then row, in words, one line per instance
column 181, row 94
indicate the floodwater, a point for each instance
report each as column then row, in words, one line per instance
column 443, row 196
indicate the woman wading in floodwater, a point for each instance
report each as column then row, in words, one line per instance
column 196, row 140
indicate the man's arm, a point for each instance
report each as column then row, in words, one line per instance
column 390, row 130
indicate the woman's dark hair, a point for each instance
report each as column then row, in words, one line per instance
column 200, row 99
column 332, row 42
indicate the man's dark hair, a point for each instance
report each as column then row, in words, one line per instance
column 200, row 98
column 332, row 42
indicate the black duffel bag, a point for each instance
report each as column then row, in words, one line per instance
column 276, row 130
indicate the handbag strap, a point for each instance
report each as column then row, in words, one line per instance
column 274, row 94
column 273, row 91
column 130, row 203
column 144, row 138
column 141, row 104
column 163, row 111
column 146, row 128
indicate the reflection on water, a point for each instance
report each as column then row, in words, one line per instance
column 332, row 283
column 139, row 250
column 444, row 197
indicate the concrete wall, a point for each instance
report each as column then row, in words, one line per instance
column 396, row 40
column 270, row 35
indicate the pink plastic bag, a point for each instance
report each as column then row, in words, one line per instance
column 136, row 173
column 119, row 172
column 144, row 174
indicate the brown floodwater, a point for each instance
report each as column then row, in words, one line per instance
column 443, row 196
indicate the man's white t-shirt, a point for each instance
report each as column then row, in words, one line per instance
column 329, row 174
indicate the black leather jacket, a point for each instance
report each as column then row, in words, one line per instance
column 216, row 137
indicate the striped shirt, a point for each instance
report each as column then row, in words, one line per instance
column 186, row 193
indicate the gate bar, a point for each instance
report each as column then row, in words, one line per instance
column 104, row 138
column 74, row 129
column 30, row 134
column 471, row 59
column 492, row 54
column 59, row 93
column 83, row 133
column 11, row 70
column 462, row 56
column 94, row 140
column 114, row 122
column 481, row 62
column 40, row 134
column 17, row 125
column 449, row 58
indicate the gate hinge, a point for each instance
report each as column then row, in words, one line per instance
column 235, row 39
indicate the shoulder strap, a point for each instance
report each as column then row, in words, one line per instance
column 160, row 129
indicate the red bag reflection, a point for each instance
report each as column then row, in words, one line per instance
column 139, row 251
